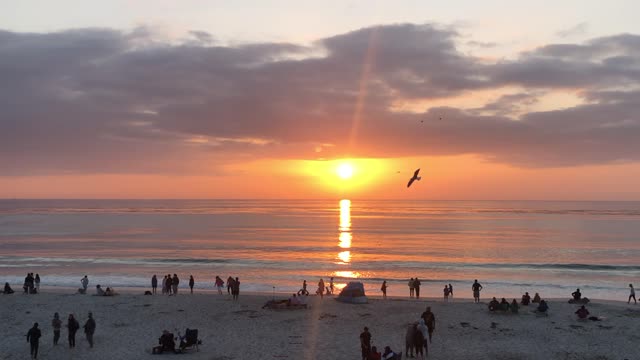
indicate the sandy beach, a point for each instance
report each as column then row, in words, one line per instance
column 129, row 325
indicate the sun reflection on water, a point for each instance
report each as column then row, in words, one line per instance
column 345, row 237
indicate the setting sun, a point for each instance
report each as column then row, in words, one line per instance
column 345, row 171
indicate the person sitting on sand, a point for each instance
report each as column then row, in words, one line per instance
column 99, row 291
column 166, row 343
column 514, row 307
column 374, row 354
column 504, row 305
column 526, row 299
column 303, row 299
column 576, row 295
column 388, row 354
column 536, row 299
column 293, row 300
column 494, row 304
column 542, row 307
column 7, row 289
column 110, row 292
column 582, row 312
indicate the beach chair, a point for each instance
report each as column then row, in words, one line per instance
column 190, row 340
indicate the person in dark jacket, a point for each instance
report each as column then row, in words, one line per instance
column 154, row 284
column 56, row 324
column 33, row 338
column 72, row 326
column 191, row 283
column 89, row 329
column 236, row 288
column 174, row 284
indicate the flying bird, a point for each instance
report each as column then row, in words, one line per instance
column 414, row 178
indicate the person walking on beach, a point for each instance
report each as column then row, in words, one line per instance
column 219, row 284
column 37, row 281
column 632, row 294
column 451, row 290
column 423, row 332
column 430, row 321
column 411, row 288
column 416, row 286
column 191, row 283
column 229, row 284
column 236, row 288
column 154, row 284
column 384, row 289
column 320, row 288
column 72, row 326
column 33, row 338
column 476, row 287
column 56, row 324
column 85, row 283
column 446, row 293
column 174, row 284
column 89, row 329
column 331, row 285
column 365, row 343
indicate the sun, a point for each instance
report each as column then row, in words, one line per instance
column 345, row 171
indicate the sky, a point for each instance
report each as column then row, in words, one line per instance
column 491, row 100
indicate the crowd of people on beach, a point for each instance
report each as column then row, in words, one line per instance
column 34, row 334
column 417, row 338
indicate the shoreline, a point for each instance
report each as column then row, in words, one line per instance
column 137, row 290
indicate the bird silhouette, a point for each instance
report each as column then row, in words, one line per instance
column 414, row 178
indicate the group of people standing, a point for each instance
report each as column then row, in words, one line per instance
column 31, row 284
column 233, row 287
column 414, row 287
column 34, row 334
column 169, row 284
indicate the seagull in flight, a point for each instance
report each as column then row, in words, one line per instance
column 414, row 178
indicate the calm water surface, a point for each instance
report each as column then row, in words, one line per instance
column 511, row 247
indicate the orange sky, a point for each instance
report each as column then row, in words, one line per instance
column 462, row 177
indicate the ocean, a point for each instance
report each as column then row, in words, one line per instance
column 273, row 245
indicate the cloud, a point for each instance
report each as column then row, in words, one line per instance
column 578, row 29
column 101, row 100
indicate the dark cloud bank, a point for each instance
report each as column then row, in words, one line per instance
column 99, row 100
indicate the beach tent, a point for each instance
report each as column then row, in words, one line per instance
column 353, row 293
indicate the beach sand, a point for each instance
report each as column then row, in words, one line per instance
column 129, row 325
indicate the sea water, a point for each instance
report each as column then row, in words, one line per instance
column 510, row 246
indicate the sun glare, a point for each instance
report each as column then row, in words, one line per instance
column 345, row 171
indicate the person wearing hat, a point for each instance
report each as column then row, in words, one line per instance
column 89, row 329
column 33, row 338
column 56, row 323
